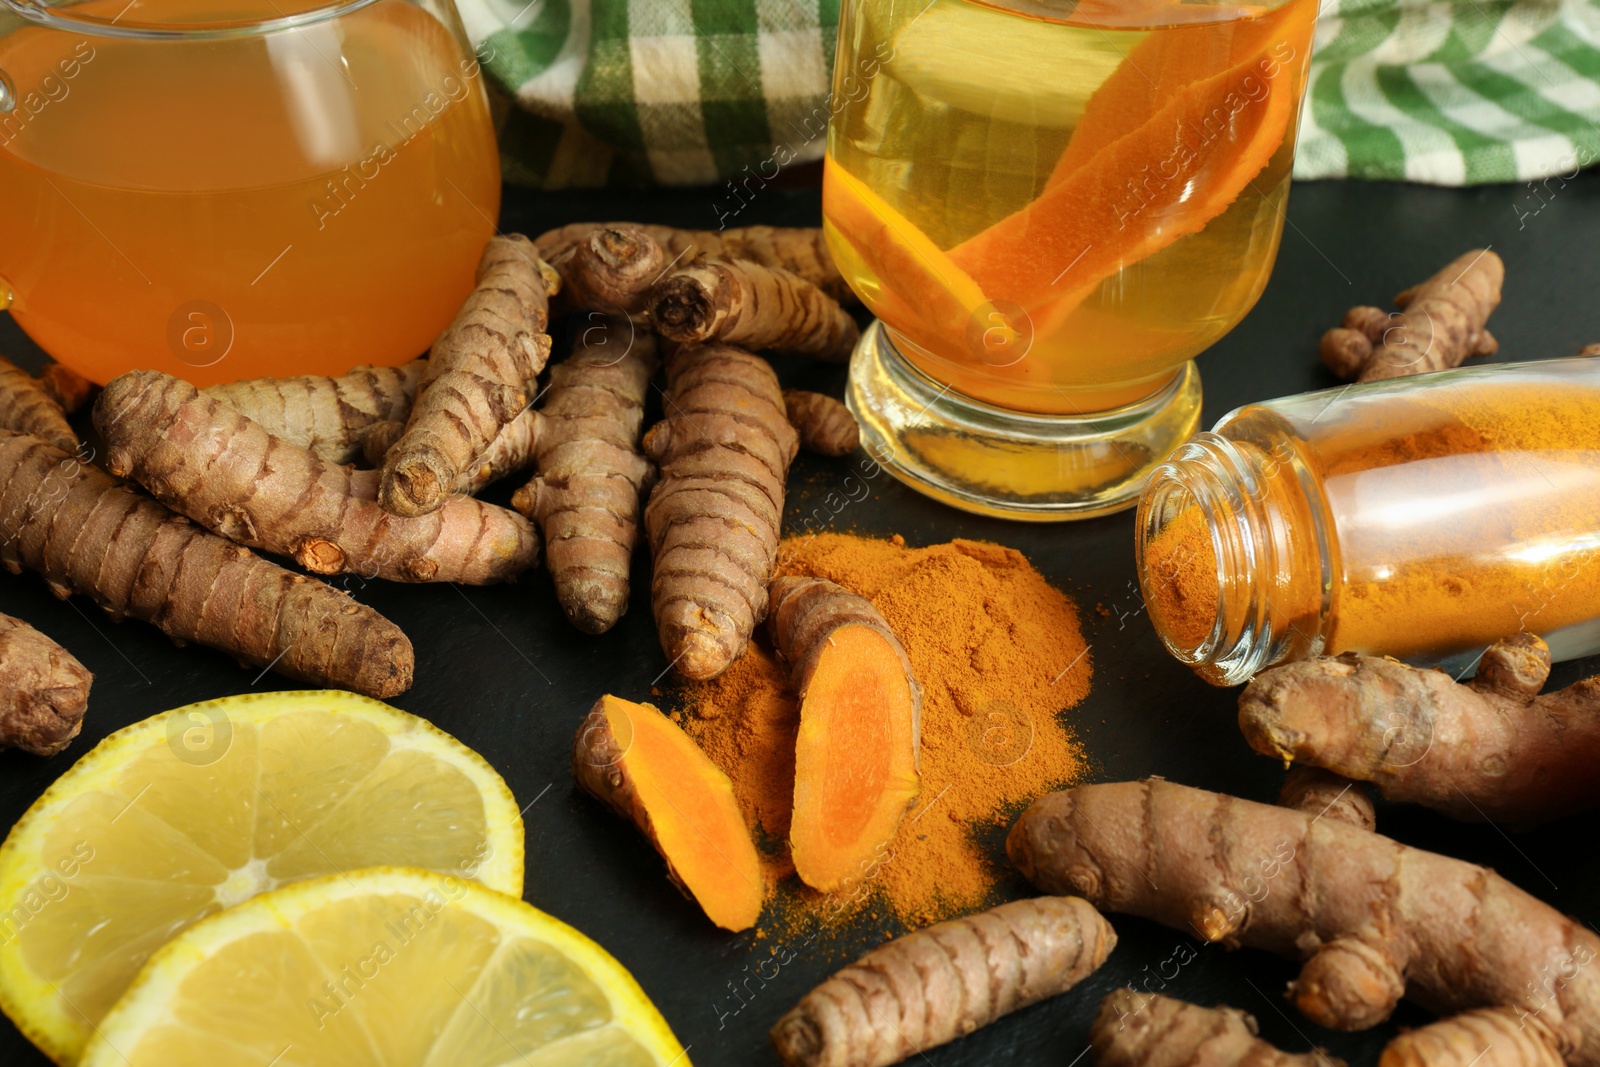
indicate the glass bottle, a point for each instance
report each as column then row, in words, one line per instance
column 1422, row 518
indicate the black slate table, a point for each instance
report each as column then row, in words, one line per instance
column 502, row 670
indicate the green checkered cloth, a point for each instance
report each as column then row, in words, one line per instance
column 1453, row 93
column 671, row 92
column 689, row 92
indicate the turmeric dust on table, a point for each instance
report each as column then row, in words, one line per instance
column 1000, row 656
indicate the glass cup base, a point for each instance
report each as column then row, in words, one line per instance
column 1012, row 464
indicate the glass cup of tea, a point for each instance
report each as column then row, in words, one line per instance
column 227, row 189
column 1052, row 208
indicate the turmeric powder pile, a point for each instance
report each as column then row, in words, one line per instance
column 1000, row 656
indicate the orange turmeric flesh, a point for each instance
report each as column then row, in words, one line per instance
column 855, row 757
column 1216, row 135
column 1165, row 64
column 638, row 761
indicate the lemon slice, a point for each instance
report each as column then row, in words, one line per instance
column 197, row 809
column 390, row 967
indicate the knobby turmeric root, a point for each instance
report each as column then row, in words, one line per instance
column 824, row 424
column 639, row 762
column 713, row 518
column 1323, row 794
column 1491, row 748
column 1134, row 1029
column 329, row 416
column 69, row 389
column 88, row 534
column 25, row 407
column 610, row 270
column 205, row 460
column 511, row 451
column 799, row 250
column 1486, row 1037
column 1442, row 323
column 741, row 303
column 480, row 375
column 855, row 766
column 1373, row 919
column 44, row 690
column 933, row 986
column 586, row 496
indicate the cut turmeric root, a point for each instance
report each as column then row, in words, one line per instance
column 860, row 721
column 640, row 763
column 1212, row 138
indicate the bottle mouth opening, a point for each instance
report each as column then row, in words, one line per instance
column 1217, row 562
column 1179, row 555
column 215, row 21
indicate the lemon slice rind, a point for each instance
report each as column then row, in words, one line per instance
column 35, row 1005
column 148, row 1002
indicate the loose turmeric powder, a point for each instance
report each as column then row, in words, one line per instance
column 1451, row 515
column 1000, row 656
column 1180, row 579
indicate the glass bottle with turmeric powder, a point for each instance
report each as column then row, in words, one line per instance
column 1419, row 518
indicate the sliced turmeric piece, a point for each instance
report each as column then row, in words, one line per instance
column 1158, row 183
column 1164, row 63
column 639, row 762
column 937, row 300
column 860, row 725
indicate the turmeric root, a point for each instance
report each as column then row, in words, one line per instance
column 1486, row 1037
column 1323, row 794
column 1373, row 919
column 1491, row 748
column 611, row 271
column 379, row 438
column 25, row 407
column 1134, row 1029
column 746, row 304
column 511, row 451
column 713, row 518
column 639, row 762
column 802, row 250
column 43, row 690
column 69, row 389
column 480, row 376
column 586, row 496
column 860, row 726
column 1442, row 323
column 329, row 416
column 824, row 424
column 943, row 982
column 88, row 534
column 205, row 460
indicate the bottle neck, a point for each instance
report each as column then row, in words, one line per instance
column 1234, row 556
